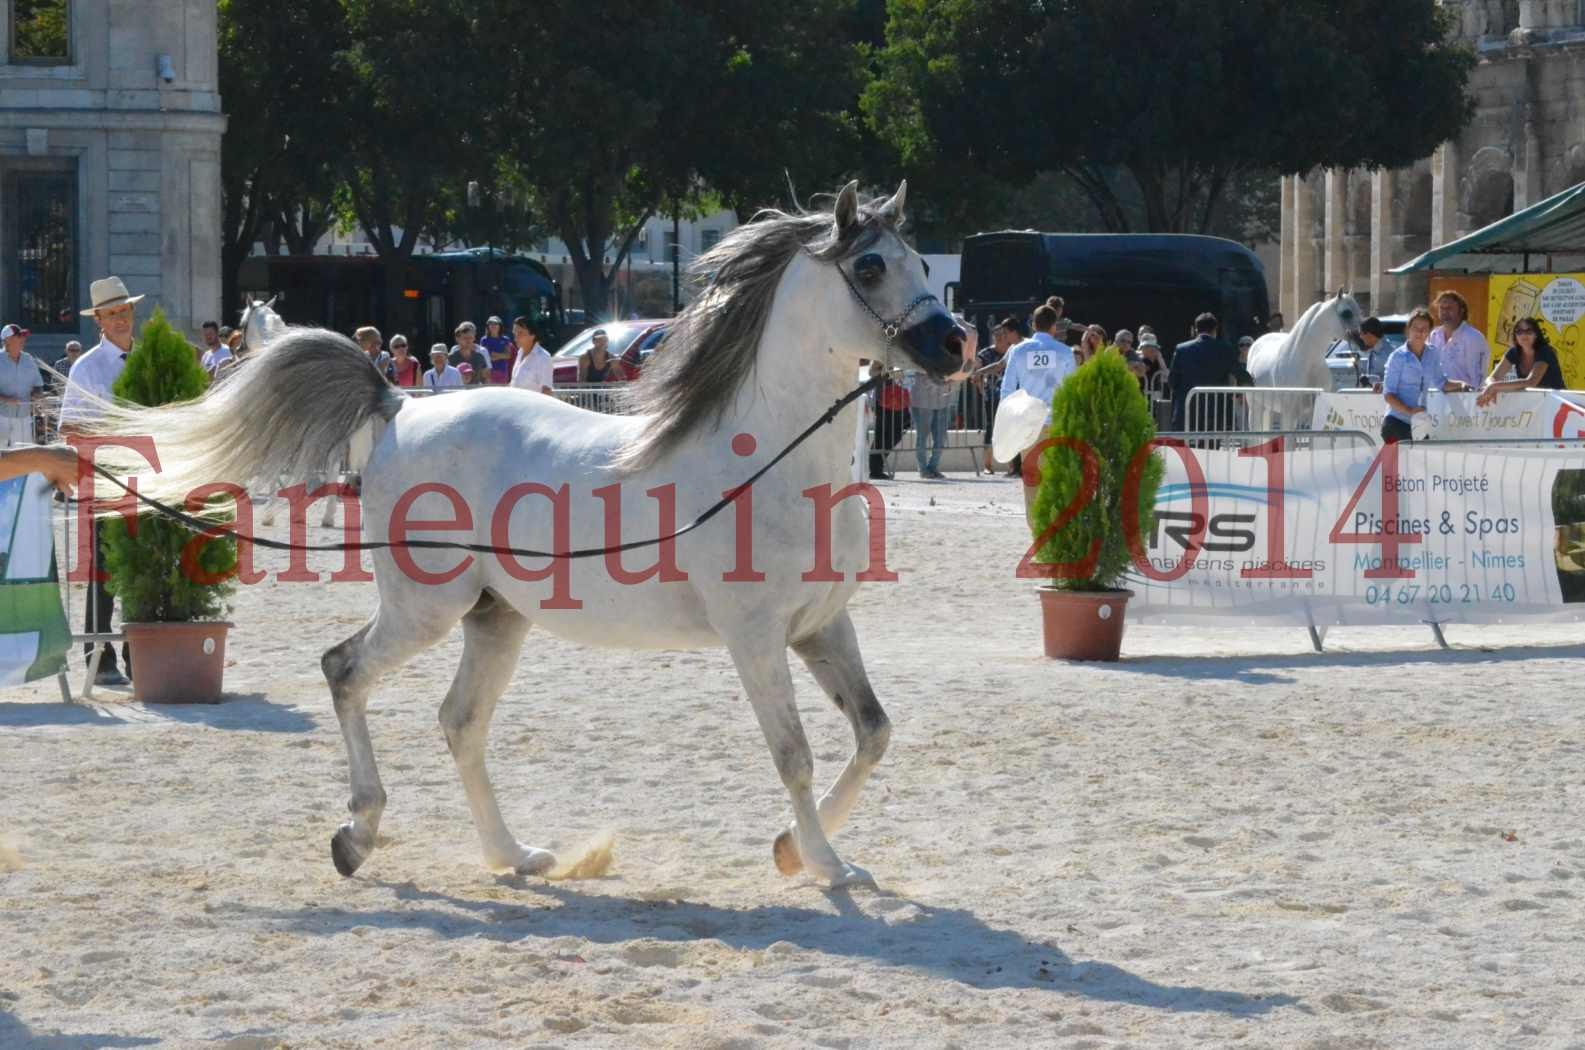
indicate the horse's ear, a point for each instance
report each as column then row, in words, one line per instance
column 1340, row 293
column 892, row 210
column 847, row 209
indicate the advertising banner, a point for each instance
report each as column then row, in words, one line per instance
column 1455, row 417
column 34, row 635
column 1400, row 534
column 1556, row 299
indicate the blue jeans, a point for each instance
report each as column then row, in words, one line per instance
column 931, row 422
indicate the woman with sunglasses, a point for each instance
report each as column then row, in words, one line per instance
column 1530, row 359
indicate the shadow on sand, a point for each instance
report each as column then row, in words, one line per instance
column 1263, row 670
column 950, row 943
column 14, row 1035
column 236, row 711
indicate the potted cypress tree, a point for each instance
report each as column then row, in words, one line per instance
column 172, row 584
column 1098, row 480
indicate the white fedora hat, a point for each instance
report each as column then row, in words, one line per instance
column 108, row 293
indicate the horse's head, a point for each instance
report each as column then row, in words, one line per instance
column 890, row 303
column 259, row 324
column 1348, row 316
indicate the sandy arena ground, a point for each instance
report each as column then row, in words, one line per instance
column 1225, row 840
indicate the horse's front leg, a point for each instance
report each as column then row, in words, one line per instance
column 832, row 656
column 761, row 659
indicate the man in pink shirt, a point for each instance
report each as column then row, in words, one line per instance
column 1465, row 355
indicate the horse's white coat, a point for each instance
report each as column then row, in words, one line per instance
column 1298, row 358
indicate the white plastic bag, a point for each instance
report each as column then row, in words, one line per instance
column 1420, row 426
column 1020, row 420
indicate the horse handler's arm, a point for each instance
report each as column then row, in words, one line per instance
column 58, row 464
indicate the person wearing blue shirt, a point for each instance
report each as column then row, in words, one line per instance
column 1038, row 365
column 1372, row 364
column 1413, row 369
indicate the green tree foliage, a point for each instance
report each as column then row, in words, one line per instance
column 413, row 80
column 1100, row 408
column 617, row 111
column 279, row 169
column 144, row 561
column 1186, row 98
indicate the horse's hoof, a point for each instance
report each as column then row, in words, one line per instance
column 851, row 875
column 785, row 851
column 346, row 856
column 534, row 862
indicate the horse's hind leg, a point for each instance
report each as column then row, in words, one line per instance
column 352, row 668
column 832, row 656
column 492, row 638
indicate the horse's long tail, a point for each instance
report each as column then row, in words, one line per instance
column 285, row 412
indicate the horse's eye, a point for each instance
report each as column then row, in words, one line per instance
column 869, row 269
column 1348, row 315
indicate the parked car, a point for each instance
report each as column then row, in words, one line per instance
column 1341, row 357
column 630, row 342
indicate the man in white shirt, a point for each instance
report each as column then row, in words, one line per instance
column 216, row 353
column 90, row 382
column 534, row 369
column 441, row 376
column 1464, row 352
column 1039, row 365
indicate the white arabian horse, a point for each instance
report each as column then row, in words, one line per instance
column 794, row 301
column 1298, row 359
column 260, row 323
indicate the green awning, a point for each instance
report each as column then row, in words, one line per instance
column 1517, row 244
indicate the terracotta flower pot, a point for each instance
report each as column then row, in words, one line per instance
column 1083, row 625
column 177, row 663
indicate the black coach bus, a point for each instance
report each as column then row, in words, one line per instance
column 1113, row 280
column 438, row 292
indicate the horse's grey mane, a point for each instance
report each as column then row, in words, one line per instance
column 710, row 349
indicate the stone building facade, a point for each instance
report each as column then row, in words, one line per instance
column 110, row 131
column 1526, row 142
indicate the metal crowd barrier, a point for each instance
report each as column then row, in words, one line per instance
column 596, row 397
column 1293, row 440
column 1510, row 442
column 1211, row 408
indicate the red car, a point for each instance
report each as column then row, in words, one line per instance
column 630, row 342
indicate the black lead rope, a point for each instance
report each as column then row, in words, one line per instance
column 198, row 524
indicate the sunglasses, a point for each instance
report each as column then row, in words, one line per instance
column 1526, row 331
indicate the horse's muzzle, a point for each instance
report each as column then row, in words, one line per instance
column 936, row 344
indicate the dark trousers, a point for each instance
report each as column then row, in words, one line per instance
column 1394, row 430
column 100, row 605
column 890, row 425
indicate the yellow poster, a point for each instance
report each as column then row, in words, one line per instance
column 1557, row 300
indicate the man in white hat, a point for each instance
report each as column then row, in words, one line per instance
column 96, row 371
column 89, row 383
column 19, row 377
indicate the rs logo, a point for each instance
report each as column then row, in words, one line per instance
column 1225, row 533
